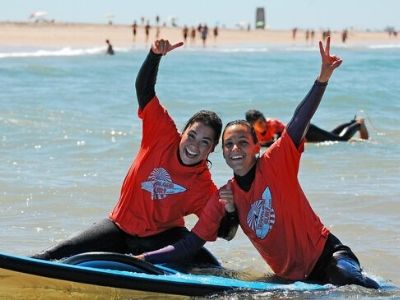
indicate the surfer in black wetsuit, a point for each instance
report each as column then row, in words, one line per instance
column 110, row 49
column 269, row 130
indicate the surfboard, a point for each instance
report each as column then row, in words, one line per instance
column 115, row 275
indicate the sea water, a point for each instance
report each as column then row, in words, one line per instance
column 69, row 131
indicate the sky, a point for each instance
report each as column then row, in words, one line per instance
column 280, row 14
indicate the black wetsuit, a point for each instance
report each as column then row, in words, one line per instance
column 342, row 133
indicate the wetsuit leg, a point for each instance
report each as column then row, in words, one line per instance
column 316, row 135
column 102, row 236
column 344, row 268
column 138, row 245
column 340, row 128
column 348, row 132
column 339, row 265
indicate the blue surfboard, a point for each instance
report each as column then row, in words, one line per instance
column 100, row 272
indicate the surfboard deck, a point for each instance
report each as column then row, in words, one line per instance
column 18, row 273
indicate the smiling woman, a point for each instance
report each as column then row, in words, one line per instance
column 273, row 211
column 168, row 180
column 240, row 146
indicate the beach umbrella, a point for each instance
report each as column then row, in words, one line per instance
column 38, row 15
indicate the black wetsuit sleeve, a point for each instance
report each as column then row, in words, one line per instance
column 228, row 226
column 146, row 79
column 298, row 125
column 181, row 251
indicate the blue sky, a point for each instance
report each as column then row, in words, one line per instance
column 281, row 14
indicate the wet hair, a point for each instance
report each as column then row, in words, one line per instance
column 207, row 118
column 241, row 122
column 253, row 115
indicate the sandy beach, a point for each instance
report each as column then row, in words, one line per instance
column 15, row 34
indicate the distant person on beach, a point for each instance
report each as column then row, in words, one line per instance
column 273, row 210
column 110, row 49
column 185, row 33
column 134, row 30
column 204, row 34
column 193, row 35
column 147, row 31
column 307, row 35
column 294, row 33
column 168, row 180
column 269, row 130
column 345, row 34
column 215, row 32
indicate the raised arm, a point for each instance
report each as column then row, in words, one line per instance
column 146, row 78
column 298, row 125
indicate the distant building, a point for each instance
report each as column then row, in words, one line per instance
column 260, row 18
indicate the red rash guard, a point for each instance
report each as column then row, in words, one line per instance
column 274, row 214
column 158, row 190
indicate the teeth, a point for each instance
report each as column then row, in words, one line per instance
column 190, row 152
column 237, row 157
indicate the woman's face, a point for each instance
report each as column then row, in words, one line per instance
column 239, row 149
column 196, row 144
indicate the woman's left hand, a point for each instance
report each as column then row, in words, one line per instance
column 329, row 62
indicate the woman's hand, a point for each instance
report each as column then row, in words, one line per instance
column 226, row 197
column 329, row 62
column 140, row 257
column 163, row 46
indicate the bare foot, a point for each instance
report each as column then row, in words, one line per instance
column 363, row 129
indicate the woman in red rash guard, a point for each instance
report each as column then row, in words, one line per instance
column 272, row 209
column 168, row 179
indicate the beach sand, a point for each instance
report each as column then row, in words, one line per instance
column 40, row 35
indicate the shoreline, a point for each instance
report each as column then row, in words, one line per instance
column 25, row 34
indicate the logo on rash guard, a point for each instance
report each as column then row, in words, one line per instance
column 160, row 185
column 261, row 216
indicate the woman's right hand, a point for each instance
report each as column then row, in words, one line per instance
column 163, row 46
column 226, row 197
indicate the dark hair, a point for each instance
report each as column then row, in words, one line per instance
column 210, row 119
column 253, row 115
column 241, row 122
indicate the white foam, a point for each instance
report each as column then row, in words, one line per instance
column 387, row 46
column 67, row 51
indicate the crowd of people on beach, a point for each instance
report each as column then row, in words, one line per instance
column 309, row 35
column 170, row 178
column 189, row 34
column 192, row 34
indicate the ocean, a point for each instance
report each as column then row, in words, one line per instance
column 69, row 131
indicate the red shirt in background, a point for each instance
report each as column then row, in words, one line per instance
column 273, row 127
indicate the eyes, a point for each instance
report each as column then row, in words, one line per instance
column 241, row 143
column 205, row 142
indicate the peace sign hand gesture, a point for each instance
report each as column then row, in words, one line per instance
column 329, row 62
column 163, row 46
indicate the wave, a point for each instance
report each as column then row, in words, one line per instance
column 67, row 51
column 385, row 46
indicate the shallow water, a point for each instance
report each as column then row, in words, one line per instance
column 69, row 131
